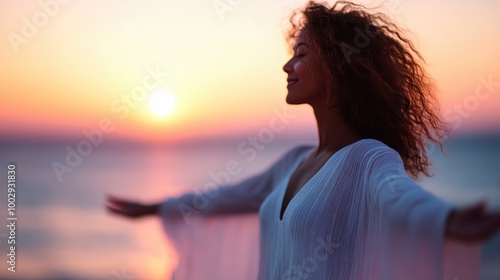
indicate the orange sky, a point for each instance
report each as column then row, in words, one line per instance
column 66, row 67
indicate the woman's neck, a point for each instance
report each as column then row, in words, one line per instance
column 334, row 132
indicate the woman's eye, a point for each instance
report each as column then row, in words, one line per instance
column 299, row 55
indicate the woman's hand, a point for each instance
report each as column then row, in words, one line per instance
column 130, row 209
column 472, row 224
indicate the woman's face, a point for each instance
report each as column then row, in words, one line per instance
column 305, row 84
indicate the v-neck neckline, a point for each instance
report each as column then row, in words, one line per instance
column 282, row 211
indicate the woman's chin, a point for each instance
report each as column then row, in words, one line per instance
column 293, row 101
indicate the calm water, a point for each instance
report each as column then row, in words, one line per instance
column 65, row 233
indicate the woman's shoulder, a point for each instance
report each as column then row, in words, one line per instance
column 370, row 150
column 371, row 158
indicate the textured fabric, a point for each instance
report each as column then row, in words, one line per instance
column 359, row 217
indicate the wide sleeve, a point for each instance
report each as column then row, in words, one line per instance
column 406, row 227
column 212, row 243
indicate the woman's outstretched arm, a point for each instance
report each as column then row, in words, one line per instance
column 242, row 197
column 411, row 228
column 469, row 224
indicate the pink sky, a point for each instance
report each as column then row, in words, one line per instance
column 66, row 67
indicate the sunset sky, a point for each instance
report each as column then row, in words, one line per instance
column 67, row 66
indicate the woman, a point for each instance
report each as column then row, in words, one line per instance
column 348, row 209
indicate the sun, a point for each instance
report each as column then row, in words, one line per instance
column 161, row 103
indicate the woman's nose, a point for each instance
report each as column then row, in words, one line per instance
column 288, row 66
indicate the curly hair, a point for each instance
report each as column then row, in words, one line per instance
column 375, row 78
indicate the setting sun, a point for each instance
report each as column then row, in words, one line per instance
column 161, row 103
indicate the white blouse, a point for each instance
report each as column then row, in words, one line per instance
column 359, row 217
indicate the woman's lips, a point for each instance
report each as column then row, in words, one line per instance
column 291, row 82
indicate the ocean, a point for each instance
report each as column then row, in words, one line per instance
column 64, row 232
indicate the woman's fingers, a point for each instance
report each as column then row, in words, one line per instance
column 473, row 224
column 114, row 210
column 494, row 222
column 127, row 208
column 119, row 206
column 489, row 227
column 473, row 211
column 117, row 201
